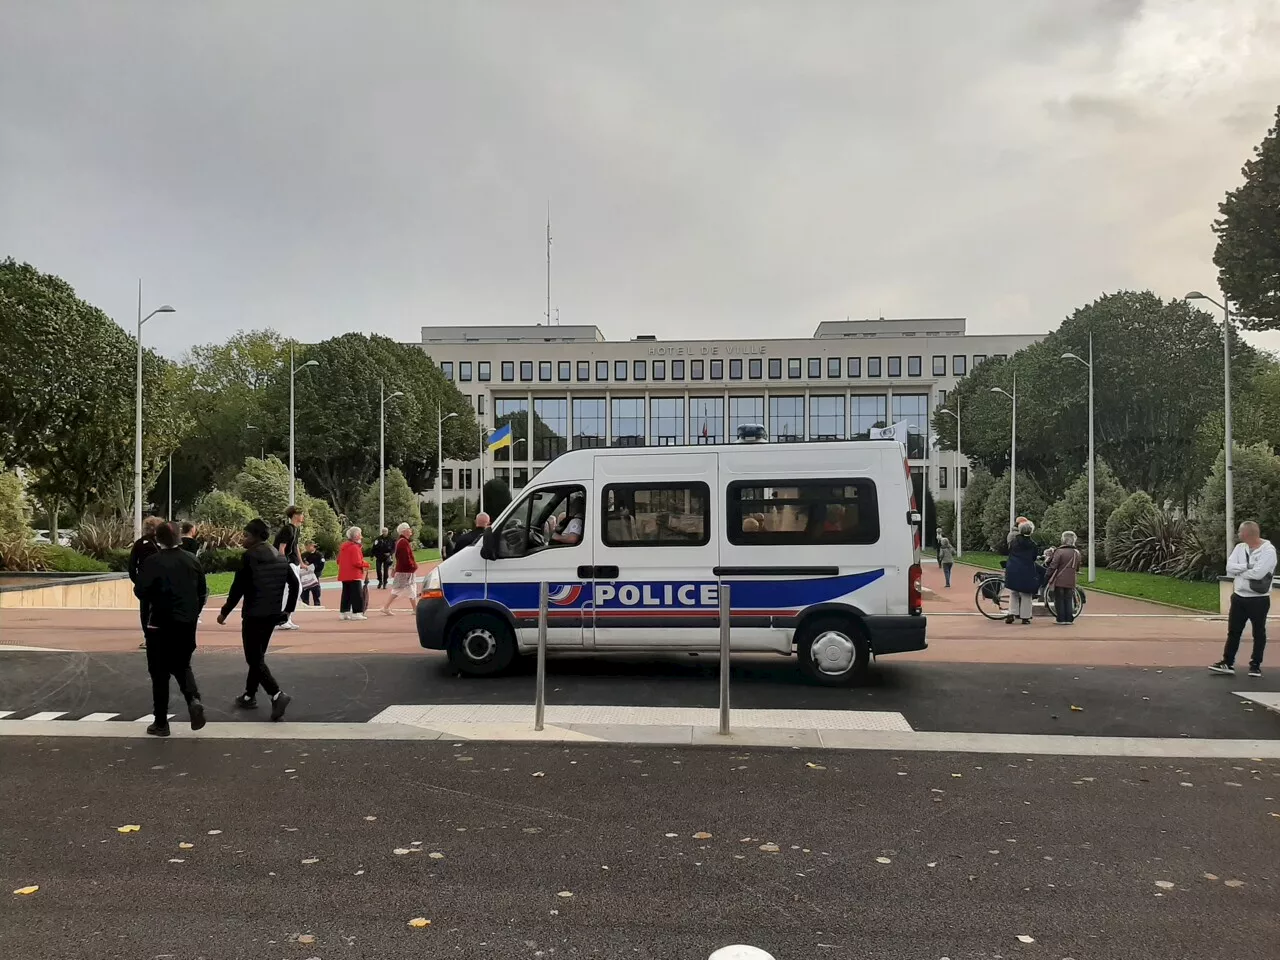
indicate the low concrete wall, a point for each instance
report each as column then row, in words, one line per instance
column 99, row 591
column 1226, row 587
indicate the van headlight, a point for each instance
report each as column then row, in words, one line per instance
column 431, row 589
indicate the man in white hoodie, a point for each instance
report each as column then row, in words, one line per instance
column 1253, row 565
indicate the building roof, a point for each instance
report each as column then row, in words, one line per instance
column 514, row 333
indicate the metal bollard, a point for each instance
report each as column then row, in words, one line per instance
column 740, row 951
column 726, row 615
column 540, row 694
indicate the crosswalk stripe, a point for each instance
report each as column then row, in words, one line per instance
column 5, row 713
column 97, row 717
column 150, row 717
column 46, row 715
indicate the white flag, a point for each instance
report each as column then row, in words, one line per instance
column 897, row 431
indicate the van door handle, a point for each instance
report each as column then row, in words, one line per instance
column 597, row 573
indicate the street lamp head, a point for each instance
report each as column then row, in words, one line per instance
column 447, row 416
column 164, row 309
column 951, row 413
column 1002, row 390
column 311, row 363
column 1195, row 295
column 398, row 393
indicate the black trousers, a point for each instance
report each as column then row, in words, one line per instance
column 144, row 614
column 169, row 650
column 1251, row 610
column 384, row 571
column 255, row 634
column 352, row 597
column 311, row 596
column 1064, row 599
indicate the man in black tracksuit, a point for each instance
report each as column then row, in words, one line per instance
column 142, row 548
column 261, row 581
column 172, row 589
column 384, row 549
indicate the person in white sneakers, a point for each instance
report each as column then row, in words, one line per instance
column 287, row 543
column 1253, row 565
column 353, row 573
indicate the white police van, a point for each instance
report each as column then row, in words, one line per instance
column 818, row 542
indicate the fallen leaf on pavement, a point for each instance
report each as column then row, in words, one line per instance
column 957, row 775
column 185, row 846
column 539, row 774
column 565, row 893
column 1233, row 883
column 815, row 766
column 311, row 860
column 769, row 847
column 1075, row 709
column 26, row 891
column 934, row 864
column 436, row 855
column 400, row 851
column 1165, row 884
column 1211, row 876
column 214, row 833
column 670, row 835
column 371, row 818
column 306, row 938
column 883, row 860
column 128, row 828
column 419, row 922
column 702, row 835
column 1023, row 938
column 176, row 860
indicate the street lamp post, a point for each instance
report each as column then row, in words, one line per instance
column 382, row 451
column 1013, row 448
column 439, row 483
column 262, row 443
column 292, row 372
column 956, row 480
column 1093, row 574
column 1226, row 409
column 170, row 473
column 137, row 425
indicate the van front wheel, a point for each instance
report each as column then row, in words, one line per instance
column 480, row 645
column 833, row 652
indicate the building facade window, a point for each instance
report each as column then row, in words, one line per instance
column 895, row 366
column 755, row 369
column 855, row 367
column 464, row 478
column 564, row 370
column 602, row 370
column 786, row 419
column 588, row 422
column 717, row 369
column 503, row 474
column 485, row 371
column 964, row 477
column 659, row 369
column 620, row 371
column 915, row 366
column 666, row 421
column 584, row 371
column 706, row 419
column 826, row 418
column 998, row 356
column 735, row 369
column 942, row 478
column 942, row 398
column 446, row 479
column 833, row 368
column 697, row 369
column 526, row 370
column 865, row 413
column 480, row 403
column 745, row 410
column 516, row 413
column 815, row 368
column 550, row 427
column 464, row 371
column 519, row 478
column 914, row 409
column 508, row 370
column 793, row 368
column 775, row 368
column 544, row 371
column 939, row 366
column 640, row 370
column 958, row 368
column 446, row 368
column 627, row 422
column 978, row 358
column 873, row 366
column 677, row 369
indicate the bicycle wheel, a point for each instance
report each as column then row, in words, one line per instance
column 1077, row 599
column 992, row 599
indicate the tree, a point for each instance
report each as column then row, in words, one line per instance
column 1255, row 490
column 496, row 496
column 14, row 515
column 1072, row 511
column 995, row 511
column 1132, row 510
column 973, row 502
column 947, row 519
column 322, row 525
column 401, row 505
column 223, row 509
column 264, row 485
column 1248, row 251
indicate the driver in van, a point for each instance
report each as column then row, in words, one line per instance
column 569, row 531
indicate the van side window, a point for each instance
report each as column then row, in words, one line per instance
column 656, row 514
column 792, row 512
column 548, row 517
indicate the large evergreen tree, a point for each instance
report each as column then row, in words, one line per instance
column 1248, row 252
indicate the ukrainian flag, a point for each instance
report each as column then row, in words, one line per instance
column 500, row 438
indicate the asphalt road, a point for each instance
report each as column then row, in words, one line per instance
column 982, row 698
column 893, row 858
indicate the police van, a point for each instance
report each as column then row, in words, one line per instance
column 818, row 543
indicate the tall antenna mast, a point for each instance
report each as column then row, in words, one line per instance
column 548, row 263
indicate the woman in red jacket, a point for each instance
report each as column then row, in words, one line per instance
column 352, row 572
column 402, row 580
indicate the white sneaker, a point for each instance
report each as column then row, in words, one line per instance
column 289, row 625
column 344, row 616
column 358, row 616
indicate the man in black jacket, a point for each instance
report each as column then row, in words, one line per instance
column 384, row 549
column 142, row 548
column 172, row 589
column 474, row 535
column 261, row 581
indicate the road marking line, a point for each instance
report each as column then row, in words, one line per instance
column 5, row 648
column 1269, row 700
column 150, row 717
column 5, row 713
column 45, row 715
column 97, row 717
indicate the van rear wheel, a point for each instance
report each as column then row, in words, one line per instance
column 833, row 651
column 480, row 645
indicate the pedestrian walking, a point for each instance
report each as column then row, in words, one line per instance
column 402, row 580
column 1064, row 565
column 172, row 585
column 190, row 542
column 352, row 573
column 465, row 540
column 264, row 575
column 313, row 561
column 143, row 548
column 1021, row 575
column 384, row 549
column 946, row 558
column 287, row 543
column 1252, row 564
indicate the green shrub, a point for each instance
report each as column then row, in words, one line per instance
column 323, row 526
column 995, row 512
column 1122, row 520
column 14, row 516
column 264, row 485
column 427, row 536
column 117, row 559
column 215, row 537
column 97, row 537
column 1163, row 543
column 1072, row 511
column 1256, row 490
column 20, row 554
column 401, row 506
column 973, row 500
column 223, row 509
column 66, row 560
column 220, row 561
column 946, row 521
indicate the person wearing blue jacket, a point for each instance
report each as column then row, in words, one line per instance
column 1021, row 575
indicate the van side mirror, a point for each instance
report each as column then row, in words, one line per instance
column 489, row 544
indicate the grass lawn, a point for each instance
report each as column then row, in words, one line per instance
column 1141, row 586
column 220, row 583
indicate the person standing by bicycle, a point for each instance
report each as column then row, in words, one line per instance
column 1021, row 575
column 1063, row 566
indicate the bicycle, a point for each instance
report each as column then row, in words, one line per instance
column 992, row 598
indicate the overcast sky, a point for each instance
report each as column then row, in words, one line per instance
column 713, row 168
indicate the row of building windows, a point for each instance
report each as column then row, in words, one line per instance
column 644, row 370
